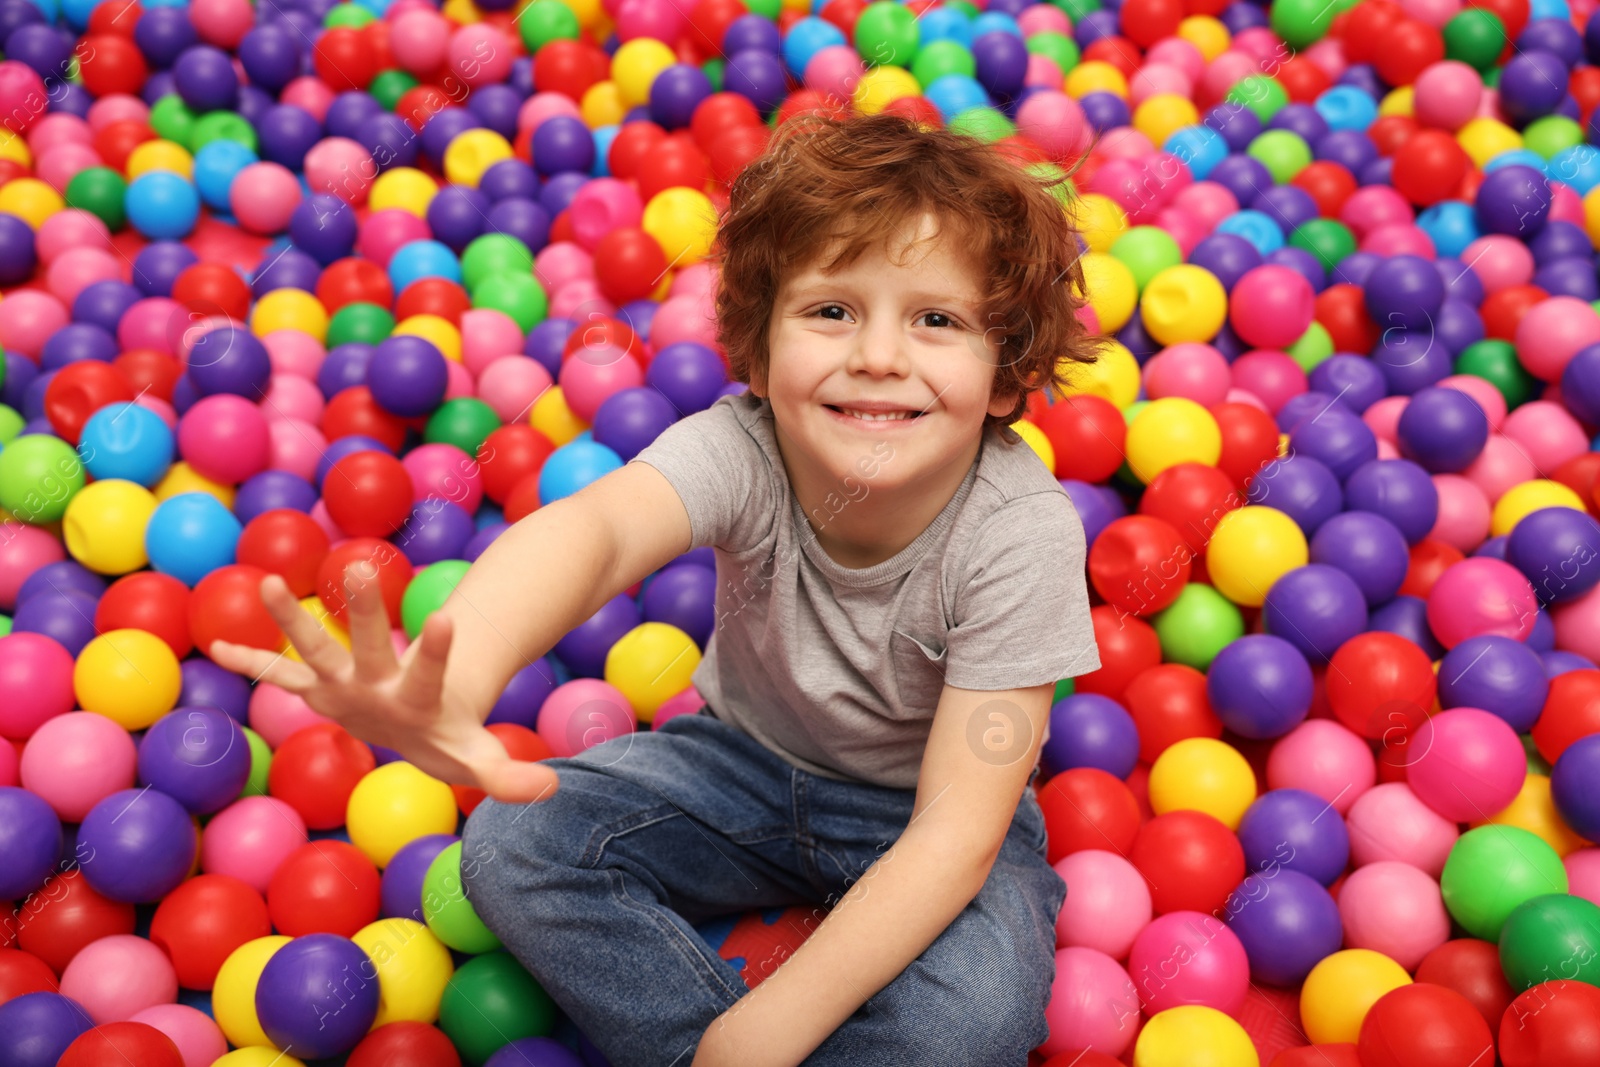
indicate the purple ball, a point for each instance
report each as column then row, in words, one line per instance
column 67, row 618
column 324, row 227
column 76, row 342
column 1560, row 239
column 435, row 530
column 1558, row 551
column 230, row 360
column 1301, row 262
column 1316, row 608
column 1137, row 340
column 270, row 56
column 1461, row 282
column 1404, row 292
column 345, row 366
column 583, row 648
column 511, row 177
column 162, row 34
column 139, row 845
column 534, row 1052
column 1238, row 125
column 496, row 106
column 1572, row 788
column 1260, row 686
column 630, row 419
column 205, row 78
column 1459, row 325
column 30, row 841
column 1337, row 438
column 1288, row 205
column 546, row 341
column 563, row 143
column 1355, row 268
column 286, row 133
column 1292, row 828
column 1226, row 255
column 1301, row 487
column 1094, row 26
column 1442, row 429
column 560, row 188
column 102, row 304
column 482, row 540
column 158, row 265
column 524, row 695
column 1400, row 491
column 1351, row 149
column 1090, row 730
column 1532, row 85
column 1303, row 120
column 197, row 756
column 1513, row 200
column 1244, row 176
column 1105, row 111
column 1287, row 923
column 1002, row 62
column 758, row 76
column 525, row 219
column 1241, row 16
column 348, row 110
column 1095, row 509
column 270, row 490
column 206, row 685
column 1569, row 277
column 1558, row 663
column 1354, row 380
column 1408, row 617
column 286, row 270
column 317, row 995
column 1367, row 547
column 685, row 597
column 402, row 878
column 677, row 91
column 1502, row 676
column 1556, row 36
column 36, row 1028
column 457, row 214
column 407, row 375
column 63, row 576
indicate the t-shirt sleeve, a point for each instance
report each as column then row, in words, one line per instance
column 1022, row 616
column 723, row 476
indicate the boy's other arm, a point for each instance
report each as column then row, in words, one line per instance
column 981, row 750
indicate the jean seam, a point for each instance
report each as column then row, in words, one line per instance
column 710, row 979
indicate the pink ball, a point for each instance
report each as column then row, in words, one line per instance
column 1108, row 902
column 1565, row 204
column 1372, row 206
column 263, row 196
column 658, row 19
column 1551, row 333
column 56, row 129
column 28, row 318
column 837, row 69
column 593, row 375
column 1215, row 971
column 1547, row 432
column 487, row 335
column 479, row 54
column 1093, row 1005
column 1183, row 228
column 119, row 976
column 1190, row 370
column 1328, row 55
column 308, row 93
column 683, row 318
column 199, row 1039
column 1042, row 72
column 225, row 438
column 1208, row 202
column 294, row 352
column 1395, row 909
column 1398, row 239
column 74, row 271
column 419, row 40
column 541, row 106
column 1226, row 71
column 118, row 107
column 457, row 381
column 1158, row 79
column 76, row 760
column 1434, row 13
column 1578, row 625
column 342, row 167
column 1490, row 399
column 295, row 447
column 9, row 760
column 61, row 164
column 1447, row 95
column 1274, row 377
column 582, row 713
column 222, row 22
column 249, row 838
column 1271, row 306
column 292, row 397
column 444, row 472
column 1383, row 418
column 1389, row 822
column 563, row 263
column 1468, row 764
column 1387, row 450
column 511, row 385
column 1501, row 465
column 275, row 713
column 1041, row 18
column 1055, row 122
column 155, row 322
column 1481, row 595
column 319, row 514
column 23, row 550
column 1326, row 758
column 1259, row 42
column 384, row 232
column 1499, row 262
column 685, row 703
column 36, row 676
column 70, row 229
column 1179, row 53
column 1463, row 512
column 1583, row 874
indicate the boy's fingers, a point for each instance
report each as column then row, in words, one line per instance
column 260, row 665
column 370, row 642
column 319, row 651
column 513, row 781
column 424, row 679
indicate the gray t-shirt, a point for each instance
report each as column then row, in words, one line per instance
column 838, row 670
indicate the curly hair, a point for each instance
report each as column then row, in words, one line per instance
column 854, row 183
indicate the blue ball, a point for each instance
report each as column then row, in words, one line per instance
column 190, row 535
column 162, row 206
column 1090, row 730
column 423, row 259
column 215, row 167
column 126, row 441
column 1451, row 224
column 573, row 466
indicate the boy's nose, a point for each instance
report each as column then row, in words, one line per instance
column 880, row 349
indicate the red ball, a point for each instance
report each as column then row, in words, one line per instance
column 200, row 923
column 343, row 59
column 708, row 24
column 1379, row 680
column 324, row 887
column 226, row 606
column 1423, row 1025
column 1190, row 860
column 523, row 500
column 433, row 296
column 111, row 64
column 1580, row 474
column 1429, row 560
column 369, row 494
column 120, row 1044
column 636, row 140
column 1342, row 311
column 675, row 162
column 354, row 281
column 1088, row 808
column 1361, row 29
column 1513, row 15
column 286, row 542
column 420, row 103
column 22, row 973
column 1429, row 167
column 1144, row 22
column 316, row 769
column 77, row 391
column 372, row 558
column 510, row 454
column 1081, row 1058
column 148, row 600
column 1139, row 564
column 1192, row 498
column 1554, row 1024
column 735, row 150
column 1571, row 712
column 407, row 1044
column 1410, row 48
column 1128, row 647
column 1471, row 968
column 713, row 117
column 1249, row 441
column 1328, row 184
column 115, row 141
column 1087, row 433
column 354, row 411
column 149, row 372
column 1318, row 1056
column 1168, row 703
column 629, row 264
column 571, row 67
column 1115, row 51
column 1502, row 311
column 65, row 914
column 1391, row 133
column 521, row 743
column 1302, row 79
column 116, row 17
column 213, row 289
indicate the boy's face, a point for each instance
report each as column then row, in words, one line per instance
column 895, row 334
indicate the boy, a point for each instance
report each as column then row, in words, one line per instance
column 901, row 584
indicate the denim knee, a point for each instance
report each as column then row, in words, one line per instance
column 504, row 850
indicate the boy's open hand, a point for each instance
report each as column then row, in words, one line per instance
column 369, row 692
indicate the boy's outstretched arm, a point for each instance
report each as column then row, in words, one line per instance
column 980, row 753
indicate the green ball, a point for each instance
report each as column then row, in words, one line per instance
column 1064, row 688
column 1283, row 152
column 1496, row 362
column 1491, row 78
column 1551, row 135
column 769, row 9
column 489, row 1002
column 1494, row 869
column 547, row 20
column 353, row 16
column 463, row 422
column 427, row 592
column 1476, row 37
column 39, row 476
column 1313, row 347
column 1197, row 626
column 517, row 293
column 493, row 253
column 364, row 323
column 1075, row 9
column 983, row 123
column 389, row 86
column 940, row 59
column 1302, row 23
column 1260, row 93
column 1551, row 937
column 260, row 764
column 100, row 191
column 1056, row 46
column 11, row 424
column 1050, row 175
column 5, row 625
column 886, row 34
column 1328, row 239
column 221, row 126
column 1146, row 251
column 446, row 909
column 172, row 119
column 714, row 68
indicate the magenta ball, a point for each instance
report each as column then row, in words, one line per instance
column 249, row 838
column 1092, row 1005
column 263, row 197
column 1190, row 370
column 36, row 676
column 225, row 438
column 1323, row 757
column 583, row 713
column 1271, row 306
column 1395, row 909
column 1468, row 764
column 1481, row 595
column 1215, row 971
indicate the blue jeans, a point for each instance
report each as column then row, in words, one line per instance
column 598, row 889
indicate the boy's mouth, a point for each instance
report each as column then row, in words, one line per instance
column 901, row 415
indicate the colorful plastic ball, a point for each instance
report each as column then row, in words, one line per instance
column 490, row 1001
column 1379, row 681
column 1341, row 990
column 1260, row 686
column 30, row 842
column 368, row 494
column 1498, row 674
column 1442, row 429
column 1423, row 1025
column 1139, row 564
column 1250, row 549
column 1481, row 596
column 1196, row 1036
column 129, row 676
column 118, row 976
column 1271, row 306
column 1551, row 334
column 413, row 969
column 1550, row 935
column 1110, row 906
column 1168, row 431
column 249, row 839
column 138, row 845
column 1553, row 1024
column 39, row 477
column 1571, row 786
column 294, row 983
column 198, row 756
column 1216, row 971
column 162, row 206
column 225, row 438
column 126, row 441
column 1494, row 869
column 406, row 1044
column 190, row 535
column 395, row 804
column 1202, row 774
column 123, row 1041
column 407, row 375
column 1472, row 969
column 203, row 921
column 1393, row 908
column 1286, row 922
column 323, row 887
column 1089, row 730
column 37, row 1028
column 1092, row 1004
column 74, row 761
column 1513, row 200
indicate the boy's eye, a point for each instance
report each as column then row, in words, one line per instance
column 946, row 322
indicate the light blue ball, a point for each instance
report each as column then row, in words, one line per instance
column 573, row 466
column 1517, row 157
column 423, row 259
column 1452, row 225
column 162, row 206
column 1344, row 107
column 990, row 21
column 806, row 38
column 126, row 441
column 190, row 535
column 945, row 24
column 1201, row 147
column 1255, row 227
column 215, row 167
column 954, row 93
column 1578, row 166
column 77, row 12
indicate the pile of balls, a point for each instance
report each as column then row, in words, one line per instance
column 301, row 285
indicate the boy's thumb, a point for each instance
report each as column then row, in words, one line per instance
column 513, row 781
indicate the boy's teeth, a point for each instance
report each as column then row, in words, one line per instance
column 878, row 417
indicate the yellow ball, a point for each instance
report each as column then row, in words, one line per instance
column 473, row 152
column 1183, row 303
column 1164, row 114
column 1095, row 77
column 445, row 337
column 1203, row 774
column 30, row 200
column 129, row 676
column 14, row 148
column 552, row 417
column 159, row 155
column 602, row 105
column 1591, row 215
column 182, row 478
column 1036, row 440
column 413, row 967
column 1170, row 431
column 257, row 1056
column 404, row 188
column 104, row 525
column 1530, row 496
column 650, row 663
column 635, row 65
column 1533, row 810
column 1251, row 548
column 233, row 995
column 1207, row 34
column 1100, row 220
column 881, row 86
column 1483, row 139
column 1194, row 1036
column 464, row 12
column 589, row 12
column 1340, row 991
column 290, row 309
column 1401, row 101
column 393, row 806
column 683, row 221
column 314, row 607
column 1113, row 293
column 1114, row 376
